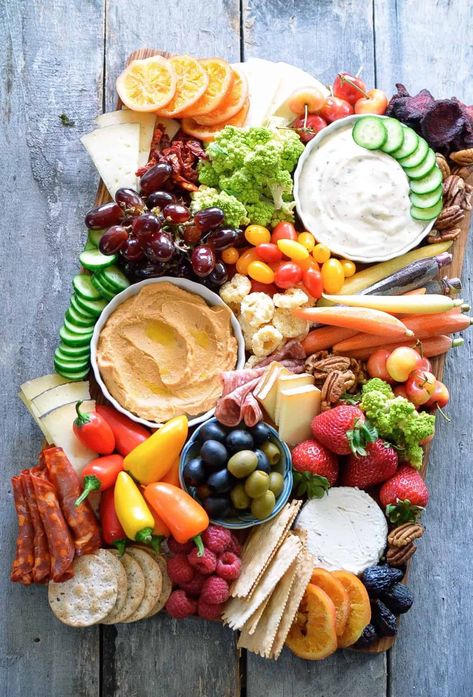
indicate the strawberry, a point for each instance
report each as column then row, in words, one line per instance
column 404, row 496
column 315, row 468
column 343, row 430
column 379, row 464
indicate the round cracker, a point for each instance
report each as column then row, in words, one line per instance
column 166, row 589
column 88, row 596
column 112, row 557
column 153, row 583
column 135, row 591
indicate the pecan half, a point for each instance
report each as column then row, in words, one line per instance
column 443, row 235
column 462, row 157
column 443, row 165
column 451, row 187
column 321, row 367
column 404, row 534
column 449, row 217
column 398, row 556
column 463, row 171
column 334, row 386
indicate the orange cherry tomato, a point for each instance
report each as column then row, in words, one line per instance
column 349, row 267
column 268, row 252
column 257, row 234
column 375, row 102
column 321, row 253
column 284, row 231
column 307, row 240
column 293, row 250
column 332, row 276
column 312, row 280
column 230, row 255
column 261, row 272
column 245, row 260
column 308, row 263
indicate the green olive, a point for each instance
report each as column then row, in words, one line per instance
column 257, row 484
column 276, row 483
column 272, row 452
column 262, row 506
column 239, row 497
column 242, row 463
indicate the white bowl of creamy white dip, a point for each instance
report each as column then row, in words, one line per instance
column 354, row 200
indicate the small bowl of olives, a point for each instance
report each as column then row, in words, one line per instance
column 242, row 476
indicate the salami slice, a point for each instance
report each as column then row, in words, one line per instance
column 81, row 519
column 230, row 408
column 60, row 543
column 42, row 558
column 292, row 350
column 22, row 568
column 232, row 379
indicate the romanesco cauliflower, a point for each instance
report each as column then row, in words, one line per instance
column 234, row 210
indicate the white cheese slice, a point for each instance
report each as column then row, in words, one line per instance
column 115, row 152
column 288, row 382
column 297, row 408
column 35, row 416
column 263, row 81
column 268, row 388
column 32, row 388
column 346, row 529
column 292, row 79
column 58, row 424
column 60, row 395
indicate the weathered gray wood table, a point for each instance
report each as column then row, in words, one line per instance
column 61, row 56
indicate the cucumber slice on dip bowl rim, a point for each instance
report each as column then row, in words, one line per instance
column 211, row 298
column 356, row 200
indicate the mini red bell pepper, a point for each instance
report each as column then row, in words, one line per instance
column 100, row 474
column 93, row 431
column 112, row 531
column 128, row 434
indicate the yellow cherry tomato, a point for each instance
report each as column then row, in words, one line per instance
column 306, row 239
column 321, row 253
column 257, row 234
column 230, row 255
column 348, row 267
column 292, row 249
column 259, row 271
column 332, row 276
column 245, row 260
column 308, row 263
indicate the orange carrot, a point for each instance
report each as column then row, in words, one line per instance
column 362, row 319
column 423, row 326
column 324, row 338
column 433, row 346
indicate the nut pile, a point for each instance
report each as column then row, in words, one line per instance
column 457, row 195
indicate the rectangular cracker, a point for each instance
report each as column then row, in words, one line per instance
column 239, row 610
column 305, row 566
column 261, row 547
column 251, row 624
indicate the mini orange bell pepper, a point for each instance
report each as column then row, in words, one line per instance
column 172, row 475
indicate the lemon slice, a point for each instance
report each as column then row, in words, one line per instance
column 192, row 81
column 148, row 84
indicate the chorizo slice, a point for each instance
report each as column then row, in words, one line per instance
column 42, row 558
column 22, row 567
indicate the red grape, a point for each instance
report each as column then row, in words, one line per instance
column 160, row 199
column 223, row 238
column 208, row 218
column 219, row 275
column 145, row 225
column 176, row 213
column 130, row 199
column 113, row 240
column 203, row 260
column 103, row 216
column 155, row 177
column 192, row 234
column 159, row 247
column 132, row 250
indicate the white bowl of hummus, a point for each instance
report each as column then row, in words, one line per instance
column 159, row 347
column 354, row 200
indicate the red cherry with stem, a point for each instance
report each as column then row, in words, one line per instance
column 349, row 87
column 335, row 108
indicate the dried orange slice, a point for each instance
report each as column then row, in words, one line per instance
column 208, row 133
column 313, row 635
column 220, row 82
column 192, row 81
column 148, row 84
column 360, row 609
column 337, row 594
column 232, row 103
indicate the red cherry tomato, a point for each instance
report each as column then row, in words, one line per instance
column 348, row 87
column 312, row 280
column 377, row 365
column 420, row 386
column 439, row 397
column 268, row 288
column 308, row 128
column 287, row 275
column 268, row 252
column 284, row 231
column 335, row 108
column 375, row 102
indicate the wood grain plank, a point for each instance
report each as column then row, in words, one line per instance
column 435, row 634
column 323, row 38
column 162, row 657
column 47, row 185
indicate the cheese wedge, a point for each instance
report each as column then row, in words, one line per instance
column 32, row 388
column 58, row 424
column 292, row 79
column 35, row 416
column 268, row 389
column 289, row 382
column 263, row 78
column 60, row 395
column 115, row 152
column 298, row 407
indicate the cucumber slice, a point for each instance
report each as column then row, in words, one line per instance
column 428, row 183
column 74, row 376
column 424, row 168
column 83, row 287
column 105, row 283
column 74, row 352
column 94, row 259
column 417, row 156
column 94, row 237
column 80, row 310
column 95, row 307
column 115, row 277
column 76, row 329
column 66, row 358
column 395, row 135
column 369, row 132
column 73, row 339
column 409, row 144
column 427, row 213
column 104, row 292
column 78, row 318
column 426, row 200
column 69, row 364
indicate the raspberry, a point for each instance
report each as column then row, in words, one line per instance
column 177, row 548
column 215, row 591
column 179, row 569
column 216, row 538
column 194, row 586
column 209, row 612
column 228, row 566
column 205, row 564
column 235, row 545
column 180, row 606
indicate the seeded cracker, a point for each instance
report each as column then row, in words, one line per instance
column 239, row 610
column 166, row 589
column 153, row 583
column 111, row 556
column 261, row 546
column 136, row 590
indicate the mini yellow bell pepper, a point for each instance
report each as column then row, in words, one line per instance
column 153, row 458
column 133, row 513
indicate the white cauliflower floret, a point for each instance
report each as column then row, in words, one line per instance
column 257, row 309
column 235, row 290
column 291, row 298
column 248, row 332
column 288, row 325
column 266, row 340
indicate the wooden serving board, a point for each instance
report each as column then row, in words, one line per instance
column 455, row 269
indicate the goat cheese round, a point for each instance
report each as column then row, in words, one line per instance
column 346, row 529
